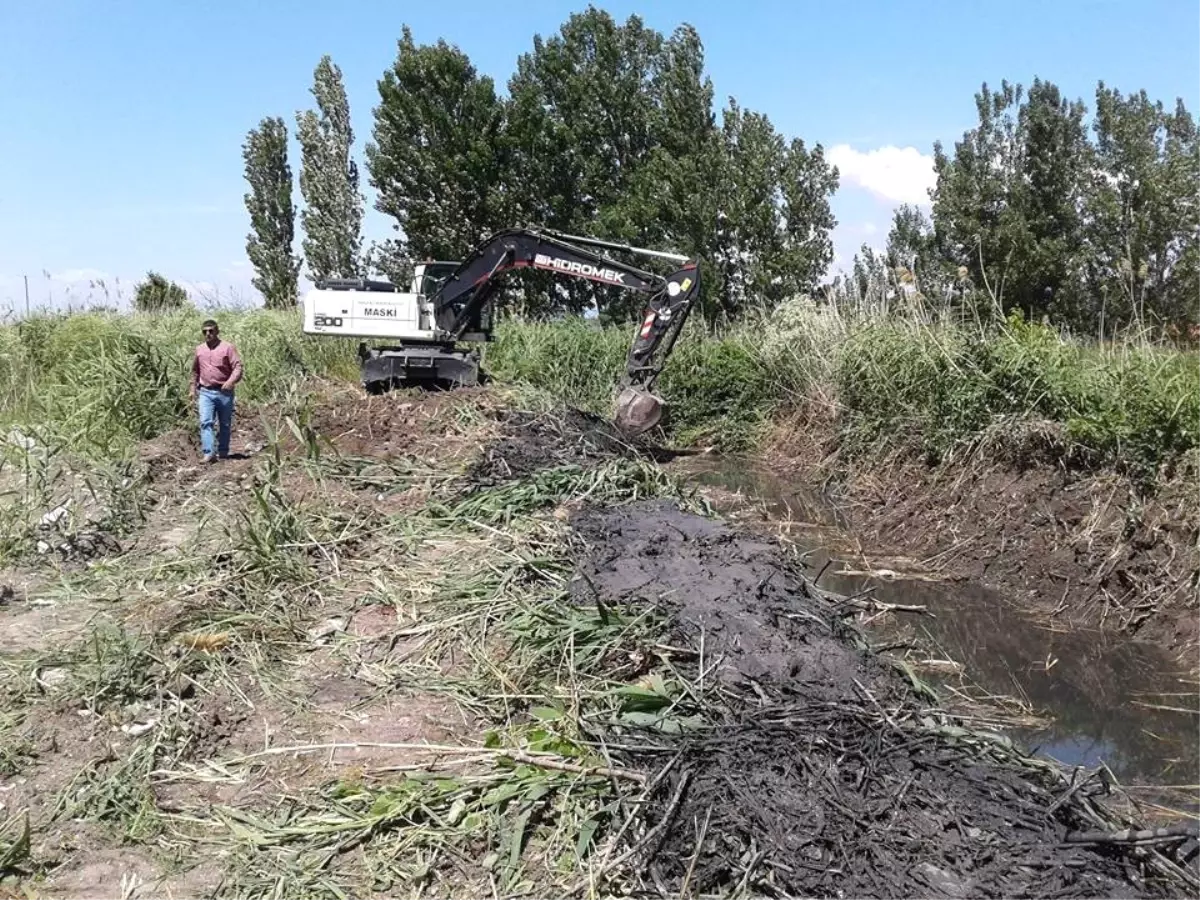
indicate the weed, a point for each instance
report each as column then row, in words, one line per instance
column 925, row 377
column 15, row 844
column 613, row 481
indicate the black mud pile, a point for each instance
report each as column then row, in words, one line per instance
column 828, row 776
column 531, row 442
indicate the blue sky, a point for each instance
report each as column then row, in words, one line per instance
column 121, row 122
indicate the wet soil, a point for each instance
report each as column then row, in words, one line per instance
column 825, row 777
column 758, row 612
column 529, row 442
column 1092, row 550
column 526, row 442
column 1082, row 696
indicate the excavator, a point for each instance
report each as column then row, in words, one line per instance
column 450, row 303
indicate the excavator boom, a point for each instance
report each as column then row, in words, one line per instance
column 474, row 284
column 669, row 299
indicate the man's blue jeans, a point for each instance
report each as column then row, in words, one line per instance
column 216, row 407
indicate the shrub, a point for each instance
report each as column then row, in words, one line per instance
column 157, row 294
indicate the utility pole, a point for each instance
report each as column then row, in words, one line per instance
column 27, row 296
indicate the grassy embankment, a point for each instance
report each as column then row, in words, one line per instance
column 894, row 383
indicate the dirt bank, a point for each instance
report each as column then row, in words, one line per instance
column 827, row 774
column 1082, row 549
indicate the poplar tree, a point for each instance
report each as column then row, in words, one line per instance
column 272, row 215
column 333, row 211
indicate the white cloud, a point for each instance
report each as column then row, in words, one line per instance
column 898, row 174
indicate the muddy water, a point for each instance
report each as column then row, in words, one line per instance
column 1095, row 694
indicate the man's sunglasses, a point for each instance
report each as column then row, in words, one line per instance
column 208, row 331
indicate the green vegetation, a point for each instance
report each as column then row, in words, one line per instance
column 608, row 127
column 332, row 217
column 1045, row 232
column 78, row 392
column 895, row 383
column 96, row 383
column 157, row 294
column 721, row 389
column 272, row 213
column 333, row 583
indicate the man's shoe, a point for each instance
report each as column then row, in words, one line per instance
column 208, row 457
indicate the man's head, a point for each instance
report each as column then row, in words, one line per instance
column 211, row 332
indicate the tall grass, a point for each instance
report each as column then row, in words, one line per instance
column 894, row 377
column 78, row 391
column 101, row 381
column 721, row 390
column 917, row 379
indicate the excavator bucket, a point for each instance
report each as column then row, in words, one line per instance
column 638, row 410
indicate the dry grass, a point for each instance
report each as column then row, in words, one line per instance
column 256, row 625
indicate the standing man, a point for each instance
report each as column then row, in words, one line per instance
column 216, row 368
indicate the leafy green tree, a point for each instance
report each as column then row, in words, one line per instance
column 910, row 243
column 581, row 124
column 773, row 237
column 869, row 282
column 748, row 243
column 608, row 129
column 157, row 294
column 582, row 114
column 332, row 217
column 435, row 156
column 1007, row 203
column 1093, row 235
column 807, row 183
column 671, row 197
column 272, row 215
column 1143, row 214
column 1049, row 191
column 611, row 129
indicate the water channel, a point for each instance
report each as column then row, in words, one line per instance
column 1096, row 697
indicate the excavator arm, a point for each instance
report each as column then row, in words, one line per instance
column 669, row 299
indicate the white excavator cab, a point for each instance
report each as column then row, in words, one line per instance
column 378, row 310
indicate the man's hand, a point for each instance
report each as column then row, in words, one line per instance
column 192, row 390
column 227, row 386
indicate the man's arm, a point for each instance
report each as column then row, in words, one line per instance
column 236, row 375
